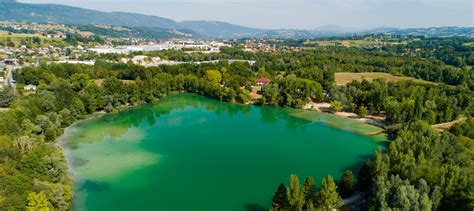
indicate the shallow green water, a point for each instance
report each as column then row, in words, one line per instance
column 187, row 152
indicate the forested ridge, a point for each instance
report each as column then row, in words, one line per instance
column 420, row 170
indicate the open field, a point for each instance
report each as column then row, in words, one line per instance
column 19, row 39
column 355, row 43
column 20, row 36
column 99, row 82
column 345, row 78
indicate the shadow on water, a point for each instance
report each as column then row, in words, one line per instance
column 360, row 160
column 254, row 207
column 357, row 166
column 78, row 162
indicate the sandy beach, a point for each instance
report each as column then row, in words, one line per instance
column 326, row 107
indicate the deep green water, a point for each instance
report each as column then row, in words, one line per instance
column 187, row 152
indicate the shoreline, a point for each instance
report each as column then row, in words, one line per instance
column 325, row 108
column 68, row 157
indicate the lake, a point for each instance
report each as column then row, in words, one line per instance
column 187, row 152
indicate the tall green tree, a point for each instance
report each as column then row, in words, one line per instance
column 6, row 97
column 328, row 198
column 346, row 184
column 280, row 198
column 309, row 190
column 295, row 193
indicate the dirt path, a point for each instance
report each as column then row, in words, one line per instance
column 354, row 199
column 445, row 126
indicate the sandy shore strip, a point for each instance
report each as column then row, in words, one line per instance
column 326, row 107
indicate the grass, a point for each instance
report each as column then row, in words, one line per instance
column 99, row 82
column 19, row 36
column 345, row 78
column 17, row 39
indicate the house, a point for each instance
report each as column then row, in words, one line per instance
column 58, row 35
column 91, row 62
column 10, row 61
column 30, row 87
column 262, row 81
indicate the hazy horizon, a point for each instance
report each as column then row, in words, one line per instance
column 296, row 14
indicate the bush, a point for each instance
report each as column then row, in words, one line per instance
column 362, row 111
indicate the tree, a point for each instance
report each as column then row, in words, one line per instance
column 362, row 111
column 295, row 194
column 346, row 184
column 328, row 198
column 270, row 94
column 37, row 202
column 309, row 190
column 79, row 81
column 244, row 96
column 364, row 178
column 336, row 106
column 213, row 76
column 280, row 199
column 47, row 101
column 6, row 97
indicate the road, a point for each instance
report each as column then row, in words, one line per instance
column 9, row 77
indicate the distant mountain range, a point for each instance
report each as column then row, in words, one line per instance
column 10, row 10
column 51, row 13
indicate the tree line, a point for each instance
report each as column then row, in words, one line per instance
column 421, row 168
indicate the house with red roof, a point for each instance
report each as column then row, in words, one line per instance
column 262, row 81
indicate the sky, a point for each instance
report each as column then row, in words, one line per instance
column 297, row 14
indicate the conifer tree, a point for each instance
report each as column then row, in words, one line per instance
column 295, row 194
column 309, row 190
column 346, row 184
column 328, row 198
column 280, row 199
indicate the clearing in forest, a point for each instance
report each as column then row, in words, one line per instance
column 345, row 77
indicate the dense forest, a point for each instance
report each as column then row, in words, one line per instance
column 443, row 60
column 422, row 169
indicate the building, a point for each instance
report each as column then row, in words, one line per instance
column 30, row 87
column 10, row 61
column 91, row 62
column 58, row 35
column 262, row 81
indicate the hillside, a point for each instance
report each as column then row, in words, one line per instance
column 219, row 29
column 11, row 10
column 137, row 32
column 15, row 11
